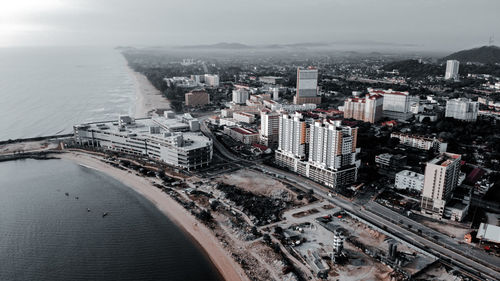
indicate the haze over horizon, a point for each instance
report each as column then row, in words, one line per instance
column 428, row 25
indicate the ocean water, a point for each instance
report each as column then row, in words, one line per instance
column 46, row 235
column 47, row 90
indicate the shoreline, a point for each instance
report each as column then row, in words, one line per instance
column 202, row 237
column 148, row 99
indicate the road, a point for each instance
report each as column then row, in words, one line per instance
column 466, row 258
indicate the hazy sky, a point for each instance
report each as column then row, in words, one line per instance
column 431, row 24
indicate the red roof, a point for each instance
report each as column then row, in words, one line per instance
column 244, row 131
column 475, row 175
column 260, row 146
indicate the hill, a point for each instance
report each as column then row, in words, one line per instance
column 485, row 54
column 221, row 46
column 413, row 68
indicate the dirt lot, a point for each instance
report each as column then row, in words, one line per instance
column 257, row 183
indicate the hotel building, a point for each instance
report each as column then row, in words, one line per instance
column 396, row 104
column 367, row 109
column 440, row 179
column 307, row 86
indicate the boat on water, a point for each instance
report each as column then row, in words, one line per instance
column 67, row 194
column 88, row 209
column 104, row 214
column 76, row 198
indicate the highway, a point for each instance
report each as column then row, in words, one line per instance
column 477, row 262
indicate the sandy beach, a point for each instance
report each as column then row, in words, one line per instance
column 148, row 98
column 228, row 268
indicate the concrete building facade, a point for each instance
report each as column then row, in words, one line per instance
column 307, row 86
column 322, row 150
column 171, row 139
column 462, row 109
column 240, row 96
column 396, row 104
column 406, row 179
column 440, row 179
column 196, row 98
column 451, row 69
column 367, row 109
column 269, row 128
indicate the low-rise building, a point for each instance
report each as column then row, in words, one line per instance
column 421, row 142
column 390, row 161
column 244, row 117
column 409, row 180
column 172, row 139
column 246, row 136
column 196, row 98
column 489, row 233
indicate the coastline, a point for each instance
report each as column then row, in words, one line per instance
column 198, row 232
column 148, row 98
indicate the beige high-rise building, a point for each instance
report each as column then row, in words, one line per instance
column 440, row 179
column 195, row 98
column 307, row 86
column 368, row 109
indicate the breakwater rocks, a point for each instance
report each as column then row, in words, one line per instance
column 39, row 155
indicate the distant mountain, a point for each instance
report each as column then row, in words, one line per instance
column 221, row 46
column 485, row 54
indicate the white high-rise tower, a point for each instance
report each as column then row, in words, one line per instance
column 451, row 69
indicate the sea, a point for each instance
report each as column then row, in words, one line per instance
column 51, row 211
column 45, row 91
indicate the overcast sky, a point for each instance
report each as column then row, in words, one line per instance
column 431, row 24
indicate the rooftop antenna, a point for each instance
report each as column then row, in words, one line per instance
column 492, row 40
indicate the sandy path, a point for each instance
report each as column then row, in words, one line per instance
column 222, row 259
column 148, row 98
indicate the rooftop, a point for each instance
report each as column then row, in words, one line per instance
column 157, row 128
column 445, row 159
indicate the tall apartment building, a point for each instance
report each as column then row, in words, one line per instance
column 292, row 135
column 195, row 98
column 269, row 128
column 396, row 104
column 462, row 109
column 440, row 179
column 307, row 86
column 367, row 109
column 240, row 96
column 212, row 80
column 451, row 69
column 332, row 153
column 322, row 150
